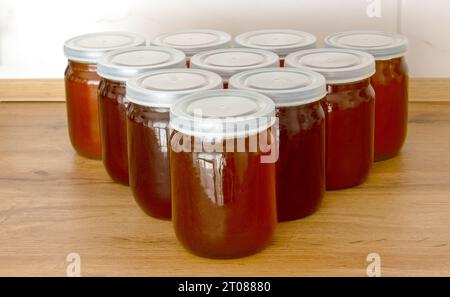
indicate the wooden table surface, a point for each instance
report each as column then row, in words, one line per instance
column 53, row 202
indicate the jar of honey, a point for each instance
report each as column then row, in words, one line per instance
column 115, row 68
column 227, row 62
column 192, row 42
column 223, row 174
column 281, row 42
column 150, row 96
column 300, row 180
column 81, row 84
column 349, row 110
column 390, row 83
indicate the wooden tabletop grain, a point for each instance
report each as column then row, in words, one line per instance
column 53, row 203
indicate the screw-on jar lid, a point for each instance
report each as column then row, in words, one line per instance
column 338, row 66
column 227, row 62
column 222, row 114
column 192, row 42
column 382, row 45
column 90, row 47
column 162, row 88
column 285, row 86
column 120, row 65
column 281, row 42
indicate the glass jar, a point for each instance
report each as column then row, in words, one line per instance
column 349, row 109
column 223, row 191
column 81, row 85
column 150, row 96
column 192, row 42
column 115, row 68
column 281, row 42
column 300, row 179
column 390, row 83
column 227, row 62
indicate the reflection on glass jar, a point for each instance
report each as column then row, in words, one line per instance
column 300, row 167
column 350, row 111
column 81, row 85
column 151, row 95
column 224, row 203
column 116, row 68
column 390, row 83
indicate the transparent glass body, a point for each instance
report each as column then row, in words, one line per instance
column 350, row 121
column 81, row 85
column 224, row 203
column 391, row 117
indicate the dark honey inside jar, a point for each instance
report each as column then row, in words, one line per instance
column 192, row 42
column 390, row 83
column 349, row 109
column 150, row 96
column 281, row 42
column 300, row 179
column 227, row 62
column 81, row 86
column 115, row 68
column 223, row 173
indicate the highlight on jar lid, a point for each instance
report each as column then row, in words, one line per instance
column 192, row 42
column 122, row 64
column 90, row 47
column 162, row 88
column 222, row 114
column 285, row 86
column 382, row 45
column 281, row 42
column 227, row 62
column 338, row 66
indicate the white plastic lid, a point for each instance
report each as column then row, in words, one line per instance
column 192, row 42
column 285, row 86
column 227, row 62
column 222, row 114
column 338, row 66
column 382, row 45
column 90, row 47
column 162, row 88
column 281, row 42
column 122, row 64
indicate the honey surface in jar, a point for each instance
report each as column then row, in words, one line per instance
column 227, row 62
column 300, row 168
column 81, row 86
column 192, row 42
column 150, row 96
column 224, row 202
column 390, row 83
column 349, row 109
column 115, row 68
column 282, row 42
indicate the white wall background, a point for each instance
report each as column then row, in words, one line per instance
column 32, row 32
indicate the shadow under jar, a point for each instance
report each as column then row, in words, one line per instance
column 349, row 109
column 81, row 86
column 228, row 62
column 390, row 83
column 281, row 42
column 150, row 96
column 300, row 179
column 115, row 68
column 223, row 194
column 192, row 42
